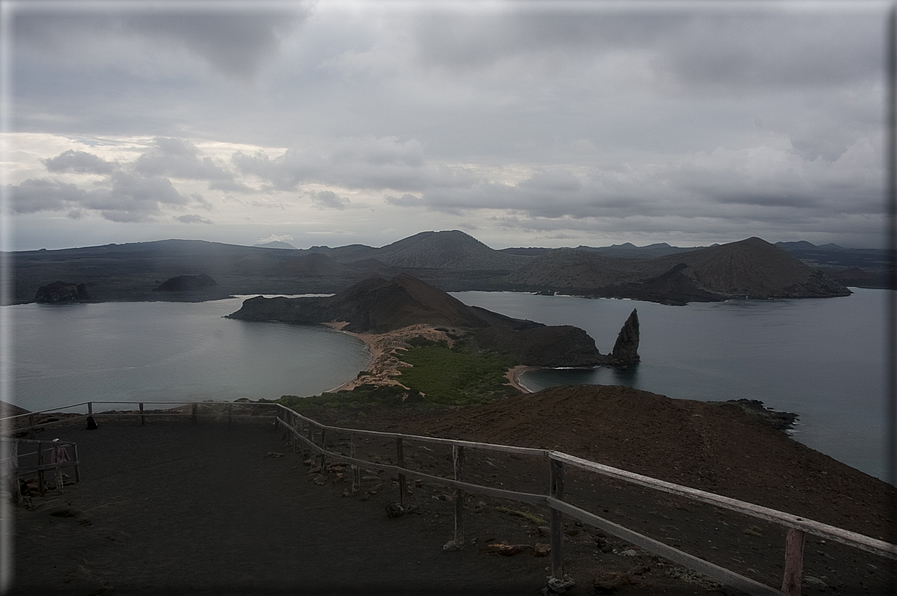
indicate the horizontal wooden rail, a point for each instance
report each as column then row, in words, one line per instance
column 718, row 573
column 435, row 440
column 859, row 541
column 500, row 493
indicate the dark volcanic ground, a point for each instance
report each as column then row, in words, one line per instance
column 211, row 508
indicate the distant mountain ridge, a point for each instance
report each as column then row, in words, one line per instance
column 451, row 261
column 276, row 244
column 751, row 268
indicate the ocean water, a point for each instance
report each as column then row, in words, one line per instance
column 169, row 351
column 823, row 359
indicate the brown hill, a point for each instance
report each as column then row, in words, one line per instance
column 751, row 268
column 453, row 250
column 716, row 446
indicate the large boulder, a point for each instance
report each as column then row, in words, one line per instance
column 60, row 291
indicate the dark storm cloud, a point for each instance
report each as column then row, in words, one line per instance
column 79, row 162
column 34, row 195
column 236, row 43
column 701, row 49
column 329, row 200
column 192, row 218
column 122, row 197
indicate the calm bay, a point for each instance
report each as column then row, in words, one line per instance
column 170, row 351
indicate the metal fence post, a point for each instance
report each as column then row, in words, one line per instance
column 142, row 419
column 195, row 410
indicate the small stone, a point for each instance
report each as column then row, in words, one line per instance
column 320, row 480
column 508, row 550
column 814, row 582
column 629, row 552
column 560, row 586
column 395, row 510
column 609, row 582
column 451, row 545
column 541, row 549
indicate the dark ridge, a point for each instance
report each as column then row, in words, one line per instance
column 186, row 283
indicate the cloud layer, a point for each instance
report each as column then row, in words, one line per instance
column 524, row 124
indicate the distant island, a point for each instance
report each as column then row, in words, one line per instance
column 450, row 261
column 379, row 306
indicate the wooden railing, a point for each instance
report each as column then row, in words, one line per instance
column 24, row 458
column 44, row 419
column 314, row 436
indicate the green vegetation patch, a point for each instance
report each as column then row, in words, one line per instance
column 439, row 376
column 455, row 376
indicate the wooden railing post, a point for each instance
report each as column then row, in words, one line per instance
column 794, row 562
column 195, row 410
column 356, row 472
column 90, row 408
column 40, row 463
column 400, row 461
column 77, row 467
column 309, row 431
column 556, row 490
column 230, row 412
column 142, row 419
column 457, row 465
column 323, row 445
column 14, row 458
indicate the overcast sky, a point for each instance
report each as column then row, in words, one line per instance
column 520, row 123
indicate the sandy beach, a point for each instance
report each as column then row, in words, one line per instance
column 384, row 365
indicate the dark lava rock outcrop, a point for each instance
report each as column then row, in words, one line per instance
column 60, row 291
column 380, row 306
column 625, row 350
column 186, row 283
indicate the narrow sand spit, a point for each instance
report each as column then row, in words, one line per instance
column 384, row 364
column 513, row 376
